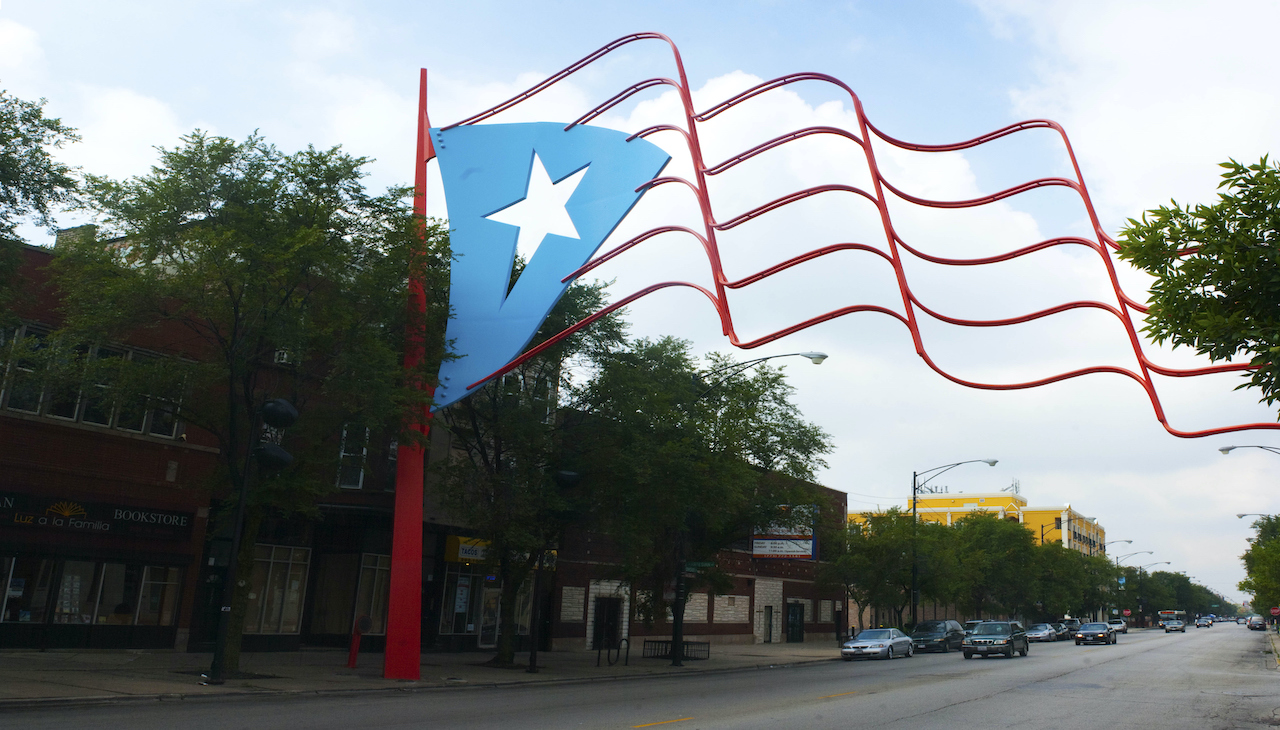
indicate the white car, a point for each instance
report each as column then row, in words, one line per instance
column 1120, row 625
column 878, row 644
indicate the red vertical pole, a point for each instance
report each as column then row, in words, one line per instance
column 404, row 611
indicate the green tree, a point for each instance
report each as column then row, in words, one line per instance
column 1262, row 564
column 32, row 183
column 262, row 275
column 681, row 469
column 995, row 561
column 505, row 477
column 1217, row 272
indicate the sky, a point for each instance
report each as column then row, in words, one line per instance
column 1153, row 95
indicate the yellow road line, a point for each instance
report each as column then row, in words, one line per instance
column 664, row 722
column 842, row 694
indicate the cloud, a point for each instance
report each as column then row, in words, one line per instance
column 120, row 129
column 20, row 49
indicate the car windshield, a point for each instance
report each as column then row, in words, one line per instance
column 1094, row 627
column 992, row 629
column 931, row 627
column 874, row 634
column 1042, row 627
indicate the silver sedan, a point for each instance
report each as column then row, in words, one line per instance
column 877, row 644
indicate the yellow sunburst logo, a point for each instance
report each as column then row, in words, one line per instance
column 66, row 509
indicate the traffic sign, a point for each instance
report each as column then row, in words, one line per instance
column 690, row 565
column 1127, row 612
column 1275, row 610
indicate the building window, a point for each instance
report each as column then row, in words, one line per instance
column 276, row 590
column 374, row 591
column 90, row 401
column 351, row 455
column 86, row 592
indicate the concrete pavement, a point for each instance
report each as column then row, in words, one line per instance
column 72, row 677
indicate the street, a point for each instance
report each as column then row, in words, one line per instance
column 1220, row 677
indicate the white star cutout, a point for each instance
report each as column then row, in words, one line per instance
column 542, row 210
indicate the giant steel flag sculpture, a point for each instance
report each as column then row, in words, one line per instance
column 489, row 169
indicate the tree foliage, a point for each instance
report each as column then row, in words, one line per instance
column 260, row 275
column 1217, row 272
column 1262, row 564
column 682, row 472
column 32, row 183
column 504, row 477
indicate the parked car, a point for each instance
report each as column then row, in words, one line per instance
column 1072, row 624
column 1064, row 633
column 1204, row 622
column 1174, row 624
column 1042, row 632
column 877, row 644
column 996, row 637
column 942, row 636
column 969, row 626
column 1095, row 633
column 1120, row 625
column 1257, row 623
column 1241, row 619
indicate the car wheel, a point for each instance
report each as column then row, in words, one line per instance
column 1024, row 650
column 889, row 653
column 1077, row 642
column 968, row 655
column 911, row 651
column 945, row 647
column 847, row 658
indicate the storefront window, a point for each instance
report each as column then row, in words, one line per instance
column 276, row 592
column 158, row 605
column 89, row 592
column 375, row 582
column 27, row 596
column 119, row 596
column 77, row 594
column 461, row 607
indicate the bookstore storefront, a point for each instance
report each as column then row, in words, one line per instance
column 81, row 574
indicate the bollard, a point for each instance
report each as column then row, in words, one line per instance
column 363, row 624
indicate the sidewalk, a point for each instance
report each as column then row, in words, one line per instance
column 33, row 679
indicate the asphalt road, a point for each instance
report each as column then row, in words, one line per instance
column 1220, row 677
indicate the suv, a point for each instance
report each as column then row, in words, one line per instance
column 939, row 635
column 996, row 637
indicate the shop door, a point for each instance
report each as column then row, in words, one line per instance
column 490, row 614
column 608, row 623
column 768, row 624
column 795, row 622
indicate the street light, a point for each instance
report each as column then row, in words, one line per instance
column 1141, row 577
column 1243, row 515
column 677, row 607
column 1228, row 449
column 1130, row 555
column 916, row 484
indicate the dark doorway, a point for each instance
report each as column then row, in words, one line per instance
column 795, row 622
column 608, row 623
column 768, row 624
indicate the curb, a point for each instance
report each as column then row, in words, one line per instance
column 77, row 701
column 1275, row 651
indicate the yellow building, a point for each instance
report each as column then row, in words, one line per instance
column 1061, row 523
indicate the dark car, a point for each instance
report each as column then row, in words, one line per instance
column 996, row 637
column 1072, row 624
column 1204, row 622
column 969, row 626
column 1064, row 633
column 942, row 636
column 1174, row 625
column 1256, row 623
column 1095, row 633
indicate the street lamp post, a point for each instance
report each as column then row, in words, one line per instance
column 677, row 606
column 1130, row 555
column 1228, row 449
column 1141, row 579
column 916, row 484
column 1113, row 542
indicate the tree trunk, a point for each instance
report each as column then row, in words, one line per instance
column 240, row 600
column 506, row 655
